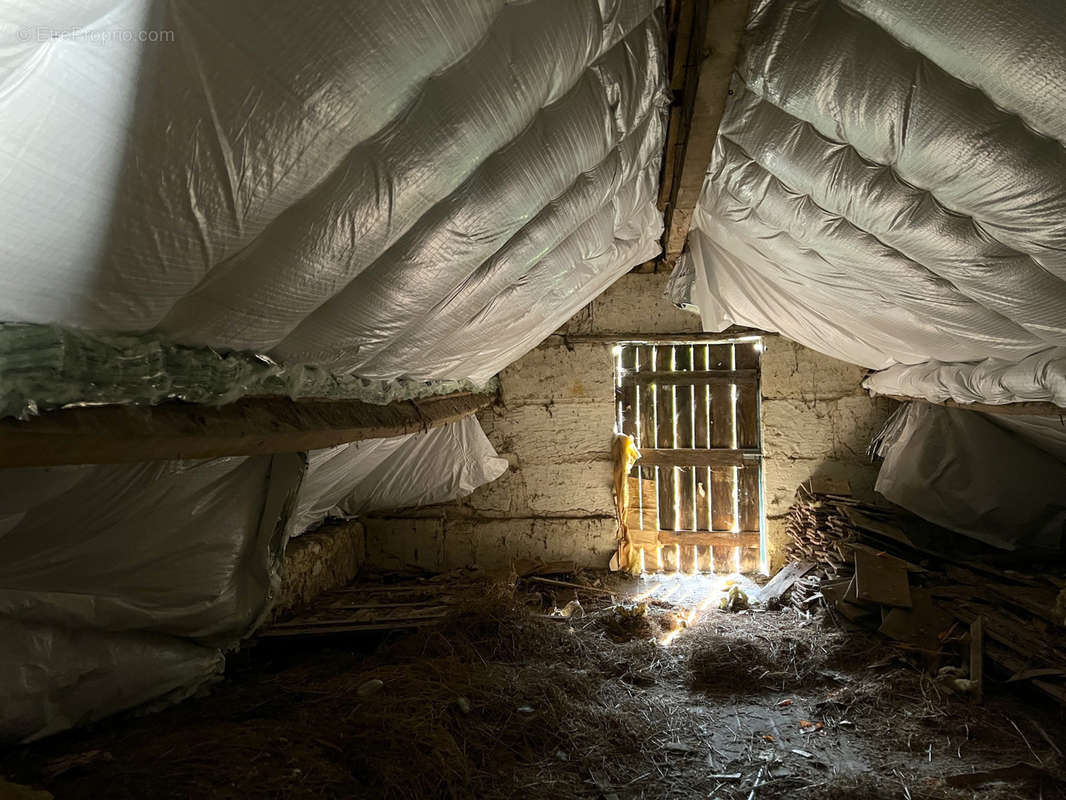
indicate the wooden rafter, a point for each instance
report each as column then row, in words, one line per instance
column 250, row 426
column 713, row 47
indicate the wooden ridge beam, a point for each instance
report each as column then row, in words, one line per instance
column 701, row 377
column 1031, row 409
column 731, row 335
column 250, row 426
column 705, row 457
column 712, row 54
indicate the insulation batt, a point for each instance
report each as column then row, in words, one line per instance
column 416, row 189
column 893, row 193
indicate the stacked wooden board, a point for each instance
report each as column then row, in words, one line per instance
column 928, row 588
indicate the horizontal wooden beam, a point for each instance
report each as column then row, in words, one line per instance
column 708, row 457
column 250, row 426
column 702, row 377
column 729, row 336
column 1007, row 409
column 647, row 538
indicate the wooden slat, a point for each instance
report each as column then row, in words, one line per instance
column 747, row 357
column 692, row 378
column 727, row 538
column 722, row 477
column 748, row 487
column 708, row 457
column 686, row 477
column 687, row 558
column 627, row 394
column 1009, row 409
column 665, row 418
column 668, row 557
column 720, row 356
column 250, row 426
column 702, row 438
column 645, row 490
column 646, row 438
column 728, row 336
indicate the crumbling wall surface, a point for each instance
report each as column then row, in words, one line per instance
column 554, row 425
column 317, row 562
column 816, row 421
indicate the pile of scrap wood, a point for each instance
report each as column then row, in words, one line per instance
column 928, row 588
column 396, row 601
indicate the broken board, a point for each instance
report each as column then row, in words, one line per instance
column 881, row 579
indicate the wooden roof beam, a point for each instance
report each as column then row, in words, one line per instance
column 714, row 45
column 250, row 426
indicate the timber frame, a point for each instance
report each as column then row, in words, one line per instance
column 705, row 38
column 250, row 426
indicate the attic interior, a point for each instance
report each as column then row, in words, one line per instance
column 560, row 398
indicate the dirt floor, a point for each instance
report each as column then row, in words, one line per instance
column 624, row 701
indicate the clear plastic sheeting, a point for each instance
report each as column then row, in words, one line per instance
column 999, row 481
column 121, row 584
column 125, row 584
column 893, row 192
column 420, row 469
column 54, row 678
column 417, row 190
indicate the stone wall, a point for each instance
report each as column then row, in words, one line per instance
column 555, row 422
column 318, row 562
column 816, row 421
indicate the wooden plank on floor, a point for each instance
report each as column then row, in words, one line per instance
column 341, row 627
